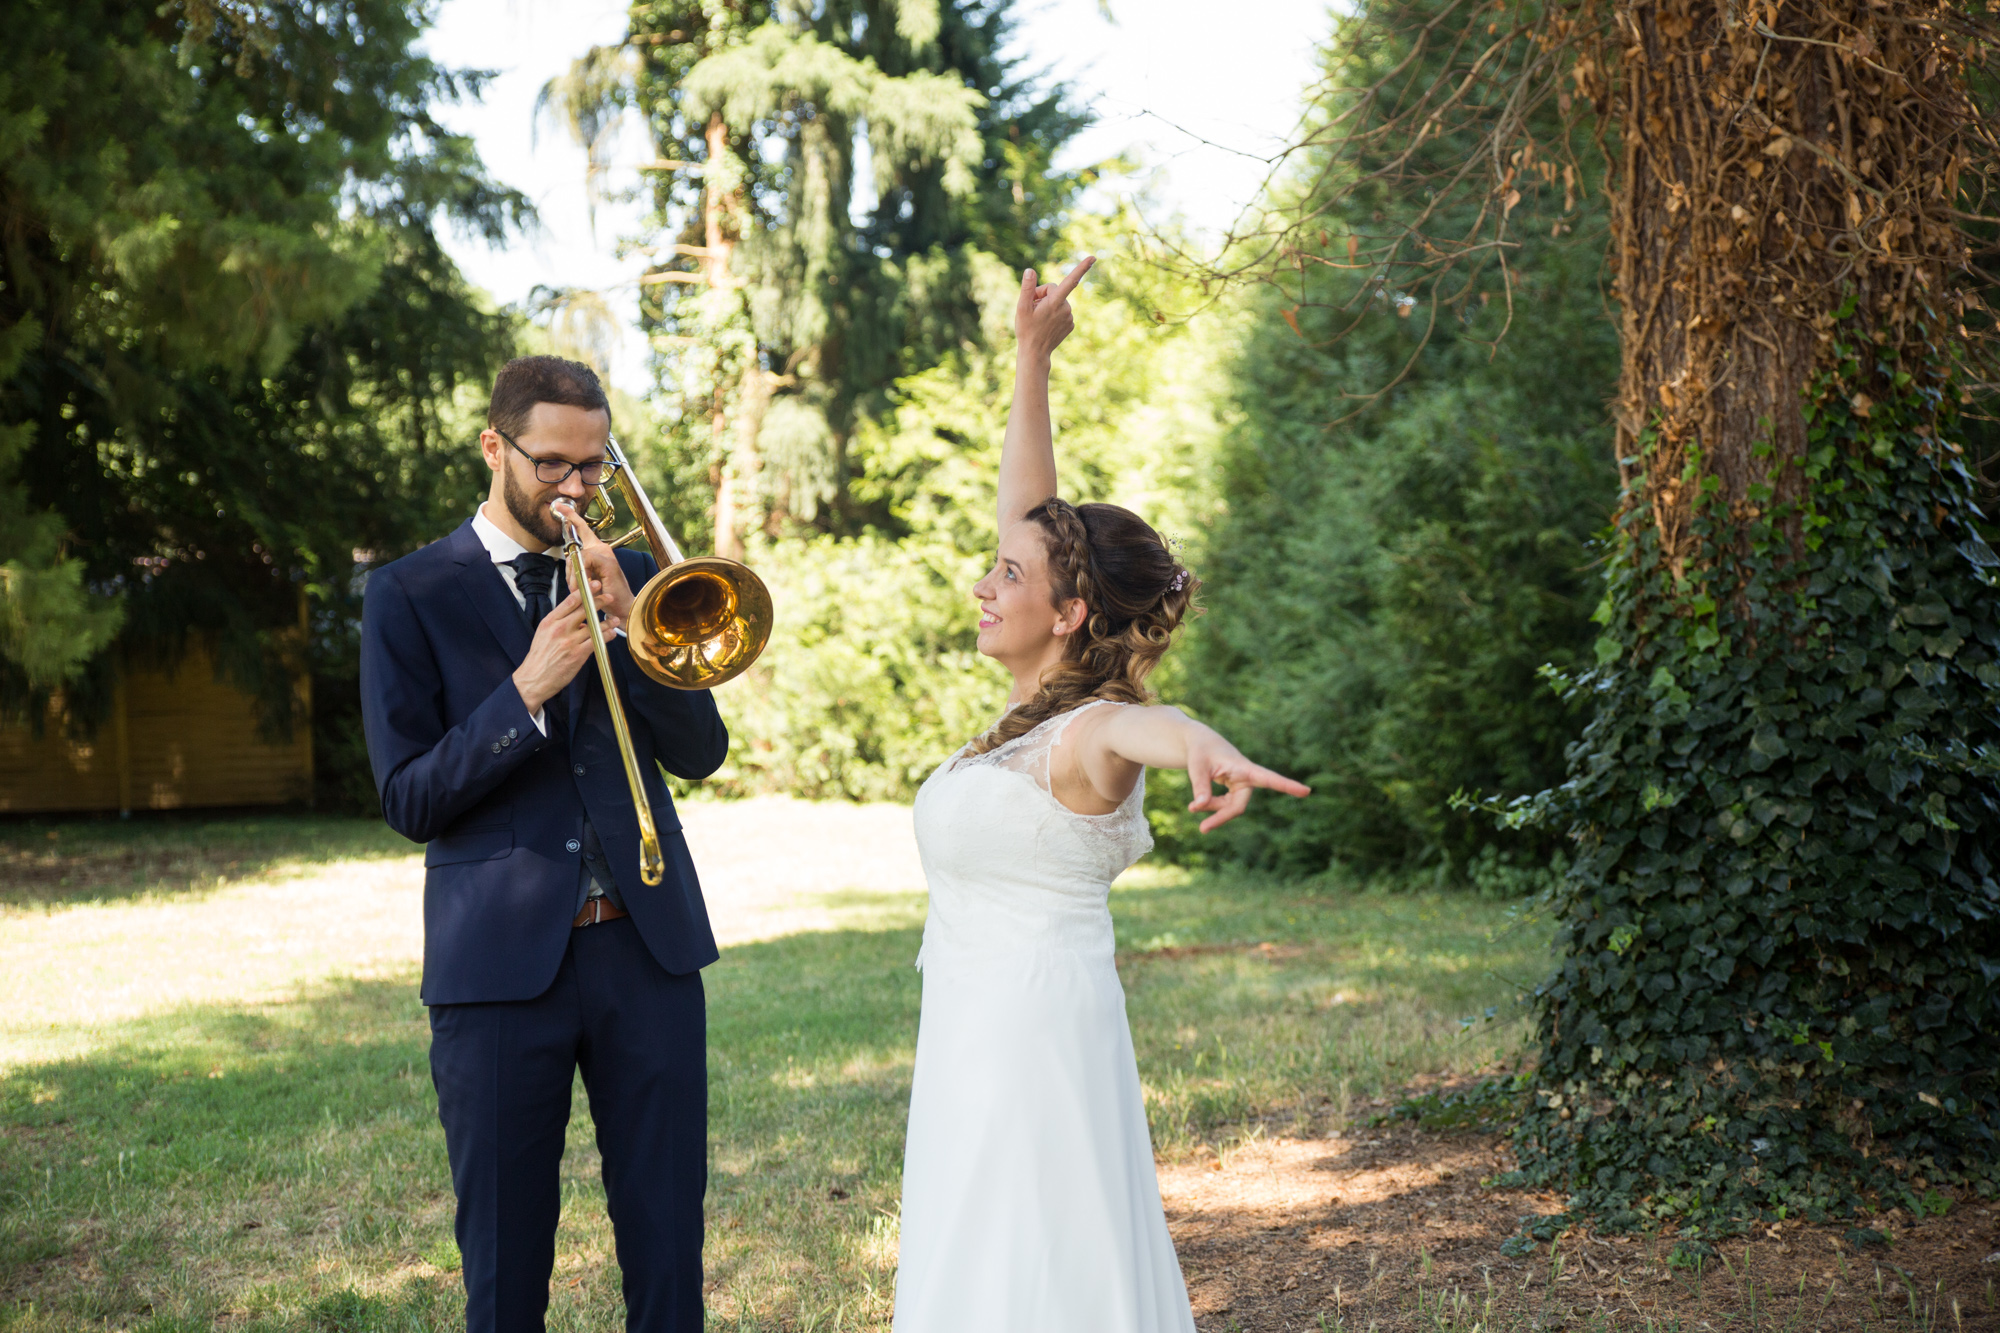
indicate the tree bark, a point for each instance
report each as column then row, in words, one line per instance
column 727, row 538
column 1775, row 162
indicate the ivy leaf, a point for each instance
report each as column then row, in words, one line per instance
column 1766, row 744
column 1978, row 552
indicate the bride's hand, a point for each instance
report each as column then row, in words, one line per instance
column 1211, row 759
column 1042, row 318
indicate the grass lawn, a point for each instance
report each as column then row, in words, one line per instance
column 267, row 1156
column 106, row 860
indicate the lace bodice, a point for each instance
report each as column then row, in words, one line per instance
column 1010, row 867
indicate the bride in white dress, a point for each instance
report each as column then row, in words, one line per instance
column 1030, row 1203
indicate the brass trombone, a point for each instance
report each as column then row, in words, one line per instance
column 699, row 622
column 696, row 624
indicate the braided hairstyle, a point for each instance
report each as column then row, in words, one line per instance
column 1135, row 595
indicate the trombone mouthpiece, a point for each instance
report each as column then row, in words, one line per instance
column 569, row 530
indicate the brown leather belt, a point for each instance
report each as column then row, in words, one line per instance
column 598, row 909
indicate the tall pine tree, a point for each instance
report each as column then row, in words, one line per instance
column 829, row 174
column 229, row 338
column 1411, row 486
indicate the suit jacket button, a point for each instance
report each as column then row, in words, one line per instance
column 496, row 747
column 506, row 740
column 513, row 733
column 573, row 845
column 578, row 770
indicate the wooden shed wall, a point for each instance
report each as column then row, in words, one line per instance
column 185, row 739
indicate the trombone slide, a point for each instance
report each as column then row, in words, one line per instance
column 652, row 865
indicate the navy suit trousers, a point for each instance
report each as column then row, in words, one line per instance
column 504, row 1071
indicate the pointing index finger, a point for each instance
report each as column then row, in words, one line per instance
column 1273, row 781
column 1075, row 275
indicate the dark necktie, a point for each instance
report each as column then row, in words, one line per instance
column 535, row 576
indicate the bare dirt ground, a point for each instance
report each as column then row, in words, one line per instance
column 1390, row 1228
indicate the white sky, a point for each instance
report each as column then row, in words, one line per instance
column 1165, row 75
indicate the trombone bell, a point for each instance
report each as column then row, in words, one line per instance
column 699, row 622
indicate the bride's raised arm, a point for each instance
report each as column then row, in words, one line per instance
column 1111, row 746
column 1042, row 319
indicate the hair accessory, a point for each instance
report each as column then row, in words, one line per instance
column 1180, row 581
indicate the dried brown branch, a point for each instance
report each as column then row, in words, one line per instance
column 1767, row 168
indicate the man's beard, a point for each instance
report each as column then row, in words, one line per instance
column 538, row 519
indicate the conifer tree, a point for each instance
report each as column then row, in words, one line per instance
column 229, row 337
column 788, row 300
column 1412, row 487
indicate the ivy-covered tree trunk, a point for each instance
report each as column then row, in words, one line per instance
column 1781, row 937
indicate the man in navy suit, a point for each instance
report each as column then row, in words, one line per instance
column 544, row 952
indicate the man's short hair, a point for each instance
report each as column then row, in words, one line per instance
column 527, row 380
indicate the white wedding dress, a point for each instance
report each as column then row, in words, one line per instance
column 1030, row 1204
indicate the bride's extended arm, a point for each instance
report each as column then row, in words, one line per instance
column 1042, row 319
column 1112, row 752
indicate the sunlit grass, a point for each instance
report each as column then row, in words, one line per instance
column 269, row 1157
column 1320, row 997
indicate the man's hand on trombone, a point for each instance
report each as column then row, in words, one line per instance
column 562, row 641
column 607, row 576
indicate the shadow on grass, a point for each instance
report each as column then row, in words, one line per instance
column 261, row 1141
column 280, row 1166
column 101, row 859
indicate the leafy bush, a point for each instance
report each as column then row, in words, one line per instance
column 872, row 676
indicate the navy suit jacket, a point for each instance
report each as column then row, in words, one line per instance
column 460, row 765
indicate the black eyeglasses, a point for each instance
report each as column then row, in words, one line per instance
column 555, row 471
